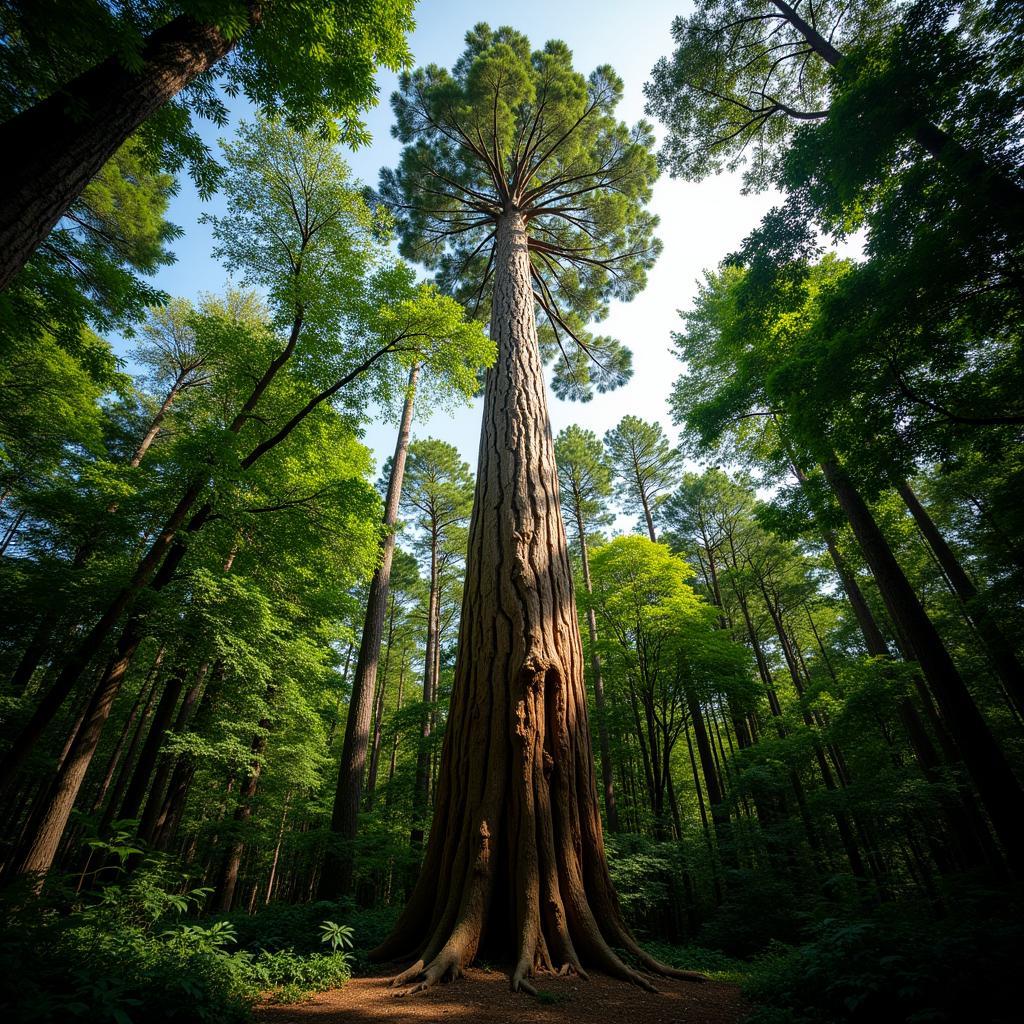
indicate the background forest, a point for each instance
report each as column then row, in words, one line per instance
column 231, row 615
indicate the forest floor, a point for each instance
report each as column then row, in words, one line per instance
column 484, row 995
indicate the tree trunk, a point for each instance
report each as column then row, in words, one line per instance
column 378, row 713
column 336, row 877
column 1003, row 194
column 62, row 142
column 516, row 853
column 141, row 777
column 998, row 647
column 390, row 797
column 41, row 636
column 421, row 784
column 716, row 798
column 172, row 806
column 228, row 878
column 607, row 777
column 155, row 801
column 277, row 850
column 999, row 790
column 648, row 518
column 143, row 703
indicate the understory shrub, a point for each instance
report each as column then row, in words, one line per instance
column 126, row 954
column 898, row 965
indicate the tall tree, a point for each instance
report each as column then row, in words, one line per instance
column 585, row 485
column 470, row 352
column 127, row 70
column 438, row 502
column 746, row 73
column 357, row 331
column 516, row 175
column 763, row 323
column 645, row 466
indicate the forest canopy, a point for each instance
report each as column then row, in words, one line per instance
column 696, row 690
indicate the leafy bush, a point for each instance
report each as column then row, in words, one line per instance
column 125, row 955
column 896, row 966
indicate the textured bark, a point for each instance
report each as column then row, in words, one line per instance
column 516, row 850
column 62, row 142
column 991, row 773
column 336, row 878
column 144, row 703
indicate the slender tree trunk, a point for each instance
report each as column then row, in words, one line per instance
column 607, row 776
column 161, row 777
column 10, row 532
column 1003, row 194
column 227, row 881
column 156, row 568
column 63, row 141
column 277, row 851
column 716, row 798
column 378, row 713
column 390, row 796
column 143, row 774
column 648, row 518
column 336, row 877
column 517, row 809
column 997, row 786
column 157, row 421
column 144, row 704
column 421, row 785
column 998, row 646
column 41, row 636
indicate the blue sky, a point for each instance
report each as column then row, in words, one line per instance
column 700, row 223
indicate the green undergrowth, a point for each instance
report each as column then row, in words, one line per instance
column 899, row 964
column 135, row 950
column 904, row 963
column 712, row 962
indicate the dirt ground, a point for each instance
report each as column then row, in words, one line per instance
column 484, row 996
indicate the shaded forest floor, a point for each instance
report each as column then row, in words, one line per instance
column 484, row 995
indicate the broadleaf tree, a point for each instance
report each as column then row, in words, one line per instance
column 116, row 69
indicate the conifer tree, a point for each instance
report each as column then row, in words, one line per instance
column 520, row 187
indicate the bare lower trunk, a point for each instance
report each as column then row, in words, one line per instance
column 336, row 878
column 516, row 853
column 421, row 784
column 228, row 878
